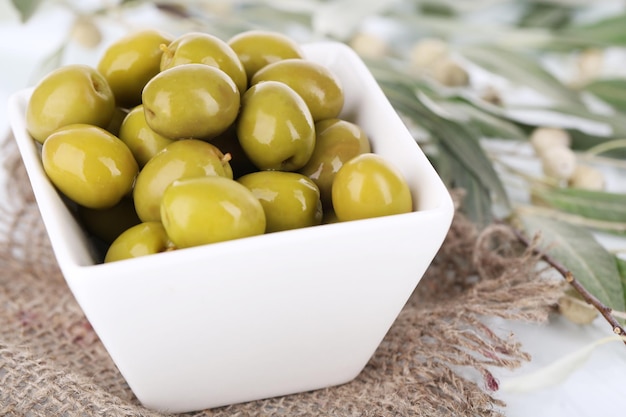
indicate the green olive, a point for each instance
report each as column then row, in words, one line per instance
column 191, row 101
column 369, row 186
column 181, row 159
column 316, row 84
column 290, row 200
column 257, row 48
column 204, row 48
column 107, row 224
column 142, row 141
column 203, row 210
column 275, row 127
column 130, row 62
column 139, row 240
column 69, row 95
column 336, row 141
column 89, row 165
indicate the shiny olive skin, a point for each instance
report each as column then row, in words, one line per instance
column 191, row 101
column 275, row 127
column 107, row 224
column 316, row 84
column 69, row 95
column 130, row 62
column 89, row 165
column 203, row 210
column 290, row 200
column 258, row 48
column 369, row 186
column 181, row 159
column 140, row 240
column 204, row 48
column 142, row 141
column 336, row 141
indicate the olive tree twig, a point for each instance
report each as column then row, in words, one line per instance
column 605, row 311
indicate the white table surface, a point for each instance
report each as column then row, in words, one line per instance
column 597, row 388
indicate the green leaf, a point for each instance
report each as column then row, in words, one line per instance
column 26, row 8
column 577, row 249
column 485, row 123
column 582, row 141
column 555, row 373
column 621, row 267
column 605, row 32
column 545, row 15
column 591, row 204
column 612, row 91
column 477, row 204
column 522, row 70
column 602, row 127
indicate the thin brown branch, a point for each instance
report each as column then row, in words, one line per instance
column 604, row 310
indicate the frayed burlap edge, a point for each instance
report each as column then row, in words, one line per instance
column 436, row 360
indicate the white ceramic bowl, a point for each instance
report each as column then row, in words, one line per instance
column 263, row 316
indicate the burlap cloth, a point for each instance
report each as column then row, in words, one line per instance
column 434, row 361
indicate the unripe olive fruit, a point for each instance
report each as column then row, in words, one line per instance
column 275, row 127
column 69, row 95
column 369, row 186
column 336, row 141
column 185, row 158
column 204, row 48
column 257, row 48
column 142, row 141
column 290, row 200
column 203, row 210
column 315, row 83
column 191, row 101
column 139, row 240
column 107, row 224
column 130, row 62
column 89, row 165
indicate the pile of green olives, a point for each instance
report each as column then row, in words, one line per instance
column 173, row 142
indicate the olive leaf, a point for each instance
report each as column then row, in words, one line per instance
column 556, row 372
column 26, row 8
column 600, row 205
column 601, row 127
column 577, row 249
column 489, row 125
column 604, row 32
column 621, row 267
column 611, row 90
column 545, row 15
column 582, row 141
column 520, row 69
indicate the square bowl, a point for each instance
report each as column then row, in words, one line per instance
column 262, row 316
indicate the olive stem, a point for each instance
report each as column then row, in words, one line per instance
column 604, row 310
column 226, row 158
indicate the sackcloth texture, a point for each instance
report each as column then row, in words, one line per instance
column 436, row 359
